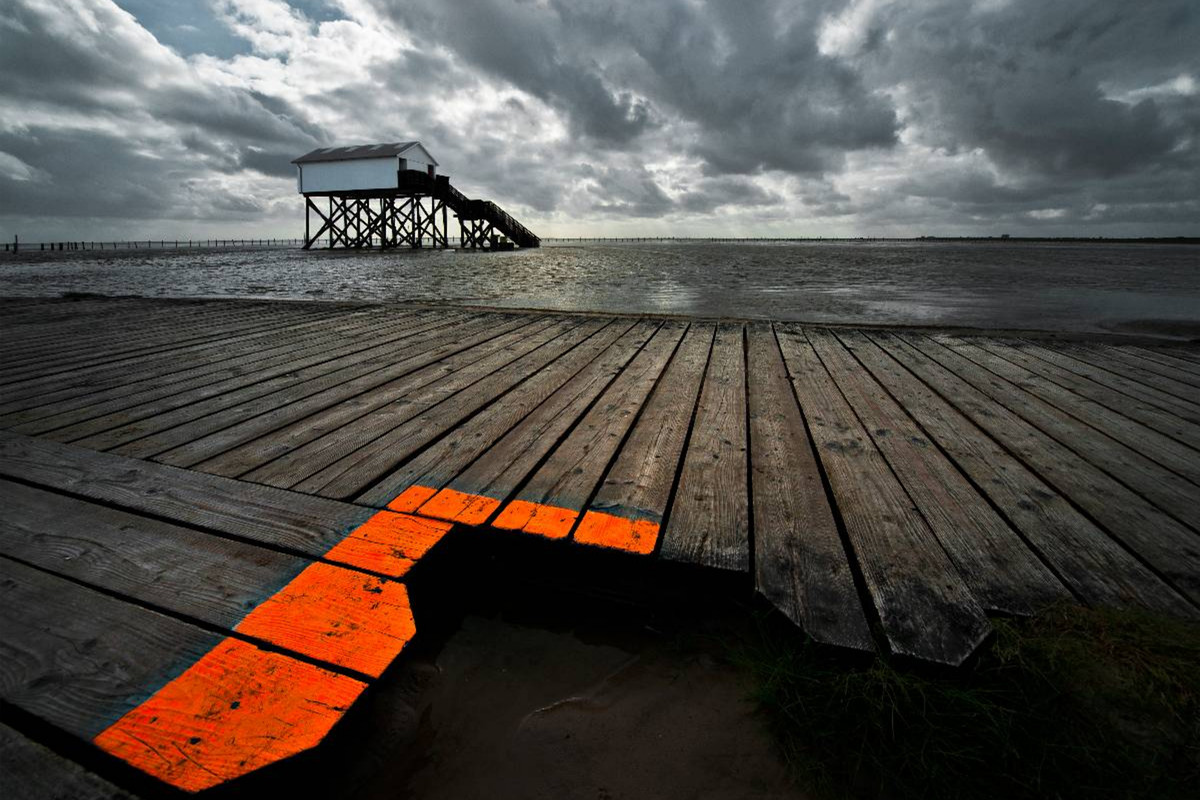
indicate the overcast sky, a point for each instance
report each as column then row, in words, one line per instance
column 173, row 118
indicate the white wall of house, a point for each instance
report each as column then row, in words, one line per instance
column 346, row 176
column 418, row 158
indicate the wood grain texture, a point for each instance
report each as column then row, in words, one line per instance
column 1161, row 421
column 709, row 520
column 29, row 771
column 329, row 360
column 80, row 660
column 1140, row 370
column 1181, row 375
column 924, row 606
column 800, row 564
column 278, row 458
column 55, row 410
column 639, row 483
column 1186, row 358
column 67, row 384
column 1116, row 577
column 81, row 367
column 163, row 431
column 317, row 462
column 1160, row 448
column 233, row 356
column 235, row 710
column 496, row 474
column 999, row 569
column 134, row 331
column 1095, row 568
column 309, row 525
column 191, row 574
column 1190, row 412
column 1165, row 489
column 438, row 465
column 376, row 454
column 576, row 466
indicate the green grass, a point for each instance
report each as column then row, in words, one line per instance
column 1073, row 703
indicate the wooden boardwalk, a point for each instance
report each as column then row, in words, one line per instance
column 210, row 507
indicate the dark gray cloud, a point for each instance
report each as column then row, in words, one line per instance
column 820, row 116
column 754, row 86
column 91, row 174
column 1026, row 81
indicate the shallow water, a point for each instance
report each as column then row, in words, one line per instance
column 1147, row 288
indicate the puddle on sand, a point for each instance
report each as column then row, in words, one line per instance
column 506, row 710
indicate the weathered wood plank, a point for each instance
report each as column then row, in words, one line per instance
column 924, row 606
column 327, row 612
column 29, row 771
column 336, row 449
column 1178, row 358
column 133, row 328
column 1161, row 421
column 999, row 569
column 1167, row 490
column 274, row 517
column 79, row 659
column 565, row 482
column 1157, row 538
column 709, row 520
column 513, row 421
column 800, row 563
column 51, row 409
column 1189, row 412
column 98, row 366
column 191, row 574
column 191, row 707
column 268, row 456
column 258, row 344
column 631, row 502
column 1184, row 461
column 164, row 430
column 1179, row 375
column 1095, row 567
column 1132, row 369
column 376, row 454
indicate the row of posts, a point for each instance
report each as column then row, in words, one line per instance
column 15, row 245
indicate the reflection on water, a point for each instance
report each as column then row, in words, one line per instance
column 1074, row 287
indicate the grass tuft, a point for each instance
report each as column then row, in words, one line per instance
column 1073, row 703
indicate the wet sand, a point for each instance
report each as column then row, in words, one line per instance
column 510, row 710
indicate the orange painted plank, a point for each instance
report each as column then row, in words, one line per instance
column 619, row 533
column 336, row 615
column 411, row 498
column 388, row 543
column 464, row 507
column 235, row 710
column 552, row 522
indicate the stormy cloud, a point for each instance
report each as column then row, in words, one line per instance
column 817, row 117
